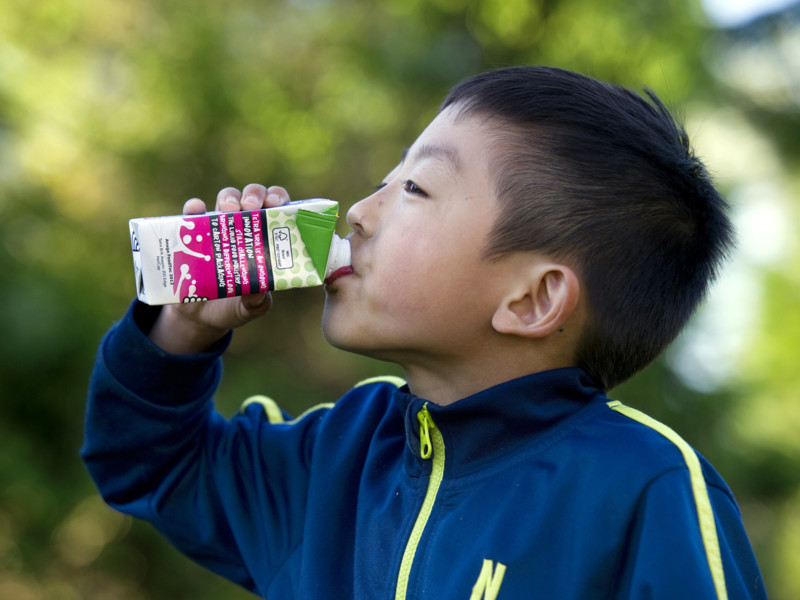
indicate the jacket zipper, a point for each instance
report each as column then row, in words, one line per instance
column 431, row 448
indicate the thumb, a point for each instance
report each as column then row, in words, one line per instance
column 256, row 305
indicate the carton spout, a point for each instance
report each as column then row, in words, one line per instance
column 338, row 260
column 338, row 257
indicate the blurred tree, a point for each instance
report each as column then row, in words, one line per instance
column 111, row 110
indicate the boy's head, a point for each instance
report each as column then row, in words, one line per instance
column 594, row 174
column 540, row 205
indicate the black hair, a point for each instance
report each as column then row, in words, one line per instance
column 596, row 174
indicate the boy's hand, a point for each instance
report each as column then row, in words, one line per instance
column 194, row 327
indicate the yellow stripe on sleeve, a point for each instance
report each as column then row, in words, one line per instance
column 308, row 411
column 273, row 411
column 396, row 381
column 271, row 408
column 705, row 514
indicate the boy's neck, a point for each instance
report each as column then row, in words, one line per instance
column 445, row 384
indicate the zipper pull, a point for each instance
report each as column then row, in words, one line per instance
column 425, row 424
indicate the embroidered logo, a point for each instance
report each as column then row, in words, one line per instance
column 488, row 585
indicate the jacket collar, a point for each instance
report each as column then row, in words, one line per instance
column 506, row 418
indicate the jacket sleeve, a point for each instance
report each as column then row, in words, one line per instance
column 158, row 450
column 668, row 556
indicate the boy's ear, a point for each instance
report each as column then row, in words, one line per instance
column 539, row 303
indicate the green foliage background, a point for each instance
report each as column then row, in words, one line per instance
column 113, row 109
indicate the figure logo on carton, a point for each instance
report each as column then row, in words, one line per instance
column 188, row 259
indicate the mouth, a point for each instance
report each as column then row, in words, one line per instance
column 340, row 272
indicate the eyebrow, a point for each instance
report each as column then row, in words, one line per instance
column 436, row 151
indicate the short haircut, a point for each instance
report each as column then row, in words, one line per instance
column 595, row 174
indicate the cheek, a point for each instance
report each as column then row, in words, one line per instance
column 426, row 274
column 398, row 291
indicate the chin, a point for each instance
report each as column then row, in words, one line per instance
column 335, row 331
column 350, row 339
column 342, row 340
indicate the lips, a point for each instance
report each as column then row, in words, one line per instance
column 340, row 272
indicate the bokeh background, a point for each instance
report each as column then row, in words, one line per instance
column 113, row 109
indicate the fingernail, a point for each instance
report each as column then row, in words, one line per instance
column 256, row 300
column 273, row 199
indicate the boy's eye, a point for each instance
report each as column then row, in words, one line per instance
column 379, row 187
column 412, row 188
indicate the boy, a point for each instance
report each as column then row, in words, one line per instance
column 542, row 240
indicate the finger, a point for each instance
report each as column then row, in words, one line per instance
column 257, row 304
column 195, row 206
column 228, row 199
column 254, row 196
column 277, row 196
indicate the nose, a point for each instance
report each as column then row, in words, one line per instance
column 361, row 216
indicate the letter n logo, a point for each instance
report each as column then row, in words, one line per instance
column 488, row 585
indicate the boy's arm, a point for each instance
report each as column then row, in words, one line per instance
column 157, row 449
column 669, row 557
column 145, row 419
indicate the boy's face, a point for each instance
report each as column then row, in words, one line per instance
column 421, row 289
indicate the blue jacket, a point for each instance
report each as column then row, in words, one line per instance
column 538, row 488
